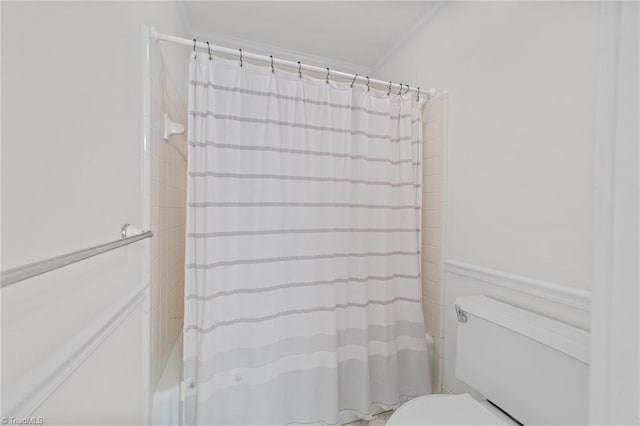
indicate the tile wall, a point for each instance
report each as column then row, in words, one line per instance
column 168, row 201
column 433, row 225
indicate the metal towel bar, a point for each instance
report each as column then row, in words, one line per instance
column 21, row 273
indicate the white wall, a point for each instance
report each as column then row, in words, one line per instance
column 522, row 82
column 615, row 354
column 521, row 79
column 72, row 175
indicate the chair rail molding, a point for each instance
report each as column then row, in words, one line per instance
column 41, row 382
column 553, row 292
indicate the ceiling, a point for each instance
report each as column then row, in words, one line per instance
column 353, row 35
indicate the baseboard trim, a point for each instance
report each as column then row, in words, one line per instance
column 576, row 298
column 41, row 382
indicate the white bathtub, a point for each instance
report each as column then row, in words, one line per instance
column 166, row 405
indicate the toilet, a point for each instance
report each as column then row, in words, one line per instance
column 520, row 367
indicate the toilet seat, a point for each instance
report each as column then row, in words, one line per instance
column 443, row 410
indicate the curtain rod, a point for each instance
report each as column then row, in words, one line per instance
column 394, row 87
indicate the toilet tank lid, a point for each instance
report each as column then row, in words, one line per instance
column 555, row 334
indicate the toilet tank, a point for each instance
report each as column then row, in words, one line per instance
column 533, row 367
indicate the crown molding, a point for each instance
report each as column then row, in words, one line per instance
column 402, row 39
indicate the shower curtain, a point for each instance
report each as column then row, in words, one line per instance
column 303, row 294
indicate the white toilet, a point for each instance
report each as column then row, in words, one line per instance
column 535, row 369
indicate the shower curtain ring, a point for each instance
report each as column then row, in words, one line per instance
column 327, row 78
column 354, row 80
column 195, row 54
column 299, row 69
column 418, row 98
column 400, row 90
column 389, row 91
column 368, row 82
column 240, row 57
column 273, row 70
column 408, row 89
column 209, row 50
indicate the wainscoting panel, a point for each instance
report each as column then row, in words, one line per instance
column 566, row 304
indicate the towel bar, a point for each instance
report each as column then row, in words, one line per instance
column 21, row 273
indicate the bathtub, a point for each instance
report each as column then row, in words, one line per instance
column 166, row 406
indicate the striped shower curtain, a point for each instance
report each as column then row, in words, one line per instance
column 303, row 294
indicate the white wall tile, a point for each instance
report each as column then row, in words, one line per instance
column 168, row 214
column 433, row 214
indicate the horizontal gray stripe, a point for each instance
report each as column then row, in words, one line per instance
column 299, row 231
column 293, row 204
column 300, row 178
column 299, row 151
column 298, row 345
column 388, row 383
column 298, row 312
column 301, row 284
column 297, row 125
column 295, row 98
column 295, row 258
